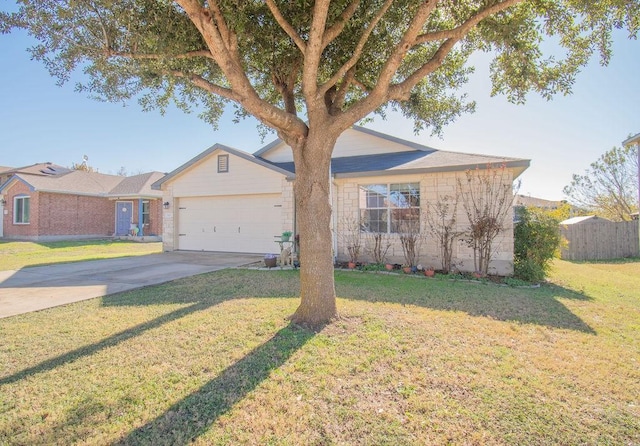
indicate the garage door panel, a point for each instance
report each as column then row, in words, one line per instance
column 230, row 223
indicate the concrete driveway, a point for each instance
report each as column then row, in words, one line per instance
column 40, row 287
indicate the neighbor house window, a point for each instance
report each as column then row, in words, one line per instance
column 21, row 210
column 145, row 212
column 223, row 163
column 390, row 208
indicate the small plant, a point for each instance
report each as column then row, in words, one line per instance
column 286, row 235
column 442, row 224
column 351, row 238
column 377, row 246
column 410, row 240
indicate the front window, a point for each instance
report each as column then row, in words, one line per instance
column 145, row 212
column 390, row 208
column 21, row 210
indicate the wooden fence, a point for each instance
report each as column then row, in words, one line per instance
column 601, row 240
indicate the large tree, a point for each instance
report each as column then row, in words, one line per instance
column 311, row 69
column 609, row 187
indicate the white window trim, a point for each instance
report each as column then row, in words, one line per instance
column 388, row 208
column 15, row 206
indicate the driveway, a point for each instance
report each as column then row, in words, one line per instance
column 40, row 287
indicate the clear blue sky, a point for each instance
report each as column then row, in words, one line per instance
column 40, row 121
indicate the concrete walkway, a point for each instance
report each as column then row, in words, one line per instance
column 37, row 288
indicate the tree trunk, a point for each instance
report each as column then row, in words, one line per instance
column 313, row 212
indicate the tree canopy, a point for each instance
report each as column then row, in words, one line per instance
column 609, row 187
column 311, row 69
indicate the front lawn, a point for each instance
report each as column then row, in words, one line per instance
column 17, row 255
column 212, row 360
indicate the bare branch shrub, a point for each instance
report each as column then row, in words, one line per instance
column 442, row 224
column 377, row 245
column 350, row 237
column 487, row 198
column 411, row 237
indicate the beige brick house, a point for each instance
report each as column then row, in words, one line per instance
column 229, row 200
column 44, row 202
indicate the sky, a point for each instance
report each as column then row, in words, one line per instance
column 43, row 122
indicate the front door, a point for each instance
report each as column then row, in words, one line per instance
column 124, row 214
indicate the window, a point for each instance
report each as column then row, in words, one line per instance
column 223, row 163
column 21, row 210
column 390, row 207
column 145, row 212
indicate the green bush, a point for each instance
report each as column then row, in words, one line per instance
column 537, row 241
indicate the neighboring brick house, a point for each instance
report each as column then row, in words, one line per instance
column 46, row 202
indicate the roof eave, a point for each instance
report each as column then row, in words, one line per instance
column 632, row 140
column 518, row 166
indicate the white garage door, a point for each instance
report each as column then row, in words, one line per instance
column 230, row 223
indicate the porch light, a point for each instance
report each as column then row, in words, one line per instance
column 3, row 202
column 165, row 205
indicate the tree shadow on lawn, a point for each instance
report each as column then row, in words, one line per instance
column 189, row 418
column 539, row 306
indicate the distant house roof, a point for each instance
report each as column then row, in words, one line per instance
column 78, row 182
column 586, row 218
column 524, row 200
column 38, row 169
column 415, row 161
column 4, row 169
column 632, row 140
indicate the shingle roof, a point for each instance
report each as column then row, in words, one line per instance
column 4, row 169
column 138, row 185
column 411, row 162
column 39, row 169
column 79, row 182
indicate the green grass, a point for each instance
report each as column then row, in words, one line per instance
column 17, row 255
column 212, row 360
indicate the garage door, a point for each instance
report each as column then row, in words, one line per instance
column 230, row 223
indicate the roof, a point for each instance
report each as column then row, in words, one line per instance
column 632, row 140
column 4, row 169
column 214, row 148
column 78, row 182
column 574, row 220
column 357, row 128
column 38, row 169
column 417, row 161
column 524, row 200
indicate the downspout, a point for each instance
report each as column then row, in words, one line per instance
column 140, row 224
column 334, row 213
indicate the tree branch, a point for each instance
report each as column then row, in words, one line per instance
column 314, row 50
column 187, row 55
column 465, row 27
column 203, row 83
column 357, row 52
column 221, row 24
column 286, row 26
column 337, row 28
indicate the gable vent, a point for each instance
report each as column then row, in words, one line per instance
column 223, row 163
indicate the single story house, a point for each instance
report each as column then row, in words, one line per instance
column 226, row 199
column 45, row 202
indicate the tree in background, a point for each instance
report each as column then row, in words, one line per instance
column 609, row 188
column 311, row 69
column 537, row 241
column 84, row 165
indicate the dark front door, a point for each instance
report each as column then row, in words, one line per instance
column 124, row 213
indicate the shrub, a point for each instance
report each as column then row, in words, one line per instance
column 537, row 240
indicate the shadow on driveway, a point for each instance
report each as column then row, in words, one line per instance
column 37, row 288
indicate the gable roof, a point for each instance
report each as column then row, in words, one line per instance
column 244, row 155
column 78, row 182
column 632, row 140
column 416, row 161
column 409, row 144
column 4, row 169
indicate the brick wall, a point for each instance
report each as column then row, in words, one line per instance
column 74, row 215
column 12, row 230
